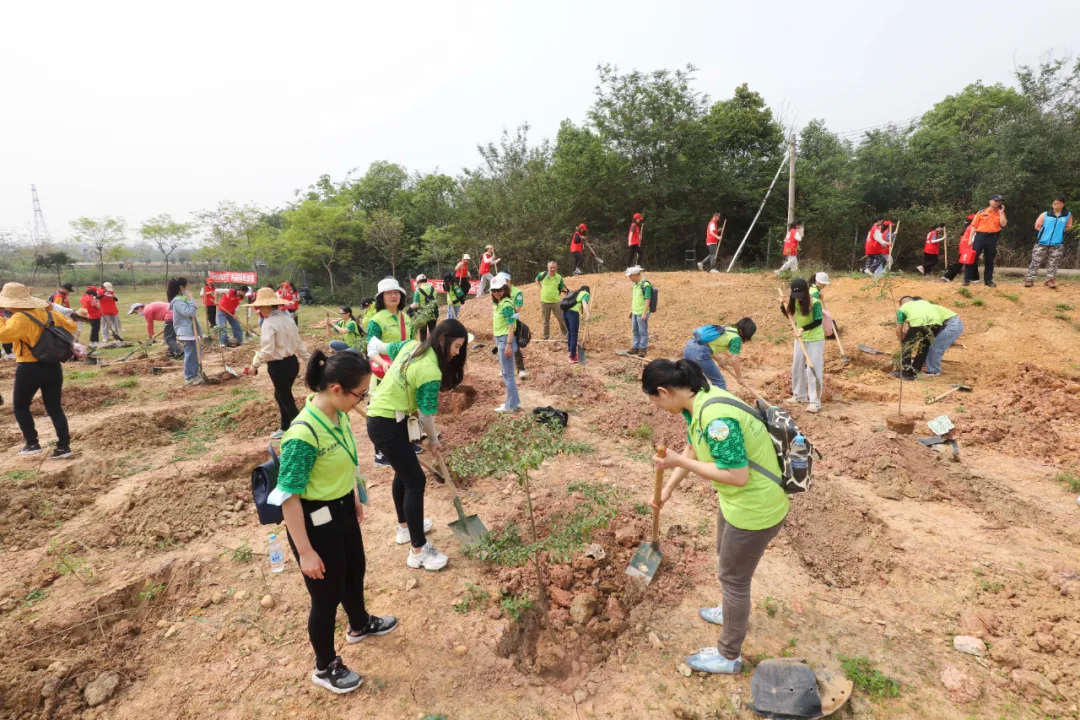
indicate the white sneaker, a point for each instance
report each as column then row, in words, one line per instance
column 428, row 558
column 524, row 374
column 503, row 410
column 714, row 270
column 700, row 266
column 813, row 408
column 403, row 536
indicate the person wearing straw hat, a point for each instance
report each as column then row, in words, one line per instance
column 639, row 311
column 110, row 315
column 423, row 296
column 389, row 324
column 279, row 346
column 28, row 319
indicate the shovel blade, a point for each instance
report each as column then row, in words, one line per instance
column 869, row 350
column 645, row 562
column 469, row 530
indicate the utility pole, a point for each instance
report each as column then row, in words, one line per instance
column 41, row 232
column 791, row 181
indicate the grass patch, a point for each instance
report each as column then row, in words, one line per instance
column 771, row 606
column 867, row 678
column 964, row 292
column 19, row 475
column 978, row 302
column 1063, row 307
column 516, row 605
column 80, row 375
column 642, row 509
column 475, row 596
column 1070, row 478
column 1062, row 316
column 960, row 303
column 151, row 592
column 1015, row 297
column 642, row 432
column 34, row 597
column 211, row 423
column 128, row 383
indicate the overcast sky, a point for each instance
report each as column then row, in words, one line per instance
column 134, row 109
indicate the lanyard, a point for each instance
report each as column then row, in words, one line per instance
column 339, row 438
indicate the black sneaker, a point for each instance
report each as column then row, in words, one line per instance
column 896, row 374
column 418, row 448
column 337, row 678
column 381, row 461
column 990, row 284
column 30, row 449
column 375, row 626
column 966, row 283
column 60, row 453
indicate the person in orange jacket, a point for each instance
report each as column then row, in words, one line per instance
column 634, row 240
column 965, row 256
column 92, row 306
column 110, row 314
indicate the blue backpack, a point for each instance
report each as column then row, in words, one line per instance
column 707, row 333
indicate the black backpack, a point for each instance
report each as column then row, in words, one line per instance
column 56, row 345
column 522, row 334
column 264, row 481
column 782, row 430
column 652, row 299
column 569, row 301
column 551, row 416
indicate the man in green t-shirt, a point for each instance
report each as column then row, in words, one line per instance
column 639, row 311
column 552, row 290
column 423, row 297
column 931, row 330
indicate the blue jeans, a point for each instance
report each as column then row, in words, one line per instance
column 640, row 326
column 226, row 321
column 341, row 346
column 573, row 322
column 452, row 311
column 509, row 374
column 191, row 359
column 702, row 355
column 950, row 333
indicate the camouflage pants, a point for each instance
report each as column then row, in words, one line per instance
column 1039, row 254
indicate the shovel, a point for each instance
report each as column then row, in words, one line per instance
column 869, row 350
column 468, row 529
column 202, row 373
column 623, row 353
column 955, row 388
column 647, row 559
column 224, row 362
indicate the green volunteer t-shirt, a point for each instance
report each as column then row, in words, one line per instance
column 815, row 292
column 729, row 341
column 550, row 287
column 801, row 320
column 730, row 437
column 582, row 298
column 502, row 317
column 352, row 332
column 424, row 294
column 518, row 297
column 416, row 389
column 387, row 327
column 642, row 294
column 318, row 461
column 923, row 313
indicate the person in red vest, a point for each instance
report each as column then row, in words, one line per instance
column 877, row 248
column 110, row 314
column 488, row 261
column 461, row 270
column 965, row 254
column 577, row 247
column 712, row 243
column 791, row 248
column 932, row 249
column 92, row 306
column 287, row 292
column 227, row 304
column 634, row 240
column 209, row 299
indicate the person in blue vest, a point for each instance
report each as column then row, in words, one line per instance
column 1050, row 245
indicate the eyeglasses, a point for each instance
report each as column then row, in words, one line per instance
column 361, row 396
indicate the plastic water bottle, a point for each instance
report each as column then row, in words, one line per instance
column 797, row 455
column 277, row 558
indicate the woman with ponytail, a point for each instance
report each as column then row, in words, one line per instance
column 411, row 387
column 318, row 494
column 184, row 326
column 727, row 443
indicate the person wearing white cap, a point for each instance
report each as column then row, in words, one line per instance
column 640, row 304
column 518, row 298
column 24, row 327
column 423, row 296
column 817, row 282
column 389, row 324
column 504, row 327
column 461, row 270
column 791, row 248
column 110, row 315
column 488, row 261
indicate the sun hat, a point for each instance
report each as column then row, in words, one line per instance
column 636, row 270
column 81, row 312
column 135, row 307
column 498, row 283
column 466, row 256
column 266, row 297
column 16, row 296
column 388, row 285
column 107, row 286
column 822, row 278
column 421, row 277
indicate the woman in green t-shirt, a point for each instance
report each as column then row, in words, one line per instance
column 317, row 491
column 808, row 316
column 348, row 328
column 419, row 372
column 573, row 321
column 503, row 328
column 723, row 441
column 390, row 323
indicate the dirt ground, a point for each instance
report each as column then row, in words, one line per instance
column 136, row 573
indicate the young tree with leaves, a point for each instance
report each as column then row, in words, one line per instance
column 99, row 233
column 166, row 235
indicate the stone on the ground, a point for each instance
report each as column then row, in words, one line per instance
column 654, row 640
column 460, row 650
column 410, row 584
column 1006, row 653
column 1031, row 684
column 583, row 608
column 685, row 670
column 970, row 645
column 961, row 687
column 626, row 535
column 267, row 601
column 101, row 689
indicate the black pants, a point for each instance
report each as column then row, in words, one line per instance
column 429, row 327
column 635, row 256
column 170, row 340
column 8, row 347
column 340, row 546
column 519, row 360
column 95, row 330
column 917, row 342
column 929, row 262
column 391, row 438
column 49, row 378
column 579, row 260
column 957, row 269
column 984, row 244
column 282, row 374
column 211, row 315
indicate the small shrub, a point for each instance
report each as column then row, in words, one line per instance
column 516, row 605
column 1071, row 479
column 861, row 671
column 243, row 554
column 1063, row 307
column 1010, row 296
column 642, row 509
column 978, row 302
column 475, row 596
column 34, row 597
column 642, row 432
column 960, row 304
column 771, row 606
column 151, row 592
column 964, row 292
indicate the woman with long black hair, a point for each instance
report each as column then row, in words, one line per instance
column 809, row 334
column 411, row 386
column 184, row 326
column 317, row 491
column 729, row 447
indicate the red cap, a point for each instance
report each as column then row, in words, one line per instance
column 971, row 216
column 582, row 227
column 637, row 216
column 887, row 222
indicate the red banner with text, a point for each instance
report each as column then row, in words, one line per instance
column 227, row 276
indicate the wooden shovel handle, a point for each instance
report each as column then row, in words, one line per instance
column 657, row 490
column 795, row 329
column 943, row 395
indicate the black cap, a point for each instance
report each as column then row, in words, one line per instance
column 799, row 288
column 997, row 197
column 346, row 309
column 68, row 286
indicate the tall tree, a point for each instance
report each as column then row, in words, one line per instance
column 166, row 235
column 386, row 234
column 231, row 232
column 322, row 234
column 99, row 233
